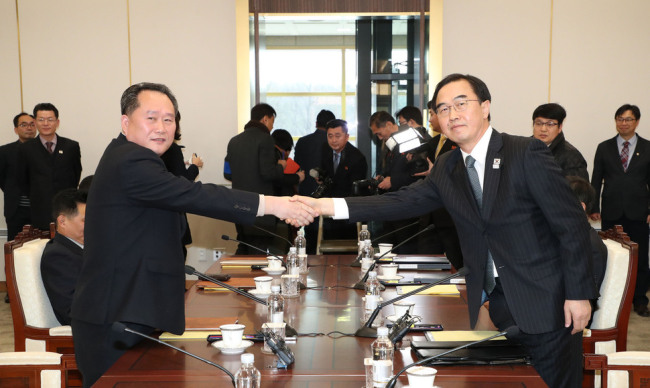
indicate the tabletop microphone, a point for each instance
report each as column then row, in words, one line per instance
column 361, row 284
column 120, row 327
column 370, row 332
column 191, row 271
column 357, row 262
column 510, row 331
column 274, row 234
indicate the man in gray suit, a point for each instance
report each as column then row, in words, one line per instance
column 133, row 270
column 525, row 238
column 622, row 165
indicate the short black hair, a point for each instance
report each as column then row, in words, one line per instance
column 410, row 112
column 636, row 112
column 262, row 110
column 478, row 86
column 337, row 123
column 583, row 191
column 282, row 139
column 380, row 118
column 84, row 185
column 65, row 202
column 18, row 116
column 323, row 117
column 46, row 106
column 129, row 101
column 550, row 111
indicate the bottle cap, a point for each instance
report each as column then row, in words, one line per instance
column 301, row 231
column 275, row 288
column 247, row 358
column 383, row 331
column 364, row 227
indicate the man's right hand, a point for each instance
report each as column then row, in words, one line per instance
column 301, row 175
column 282, row 163
column 595, row 216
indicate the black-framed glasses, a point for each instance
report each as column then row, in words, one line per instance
column 459, row 106
column 25, row 125
column 625, row 119
column 547, row 124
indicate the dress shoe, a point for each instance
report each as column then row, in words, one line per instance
column 642, row 310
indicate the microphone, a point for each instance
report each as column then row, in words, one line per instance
column 357, row 261
column 274, row 234
column 510, row 331
column 369, row 332
column 289, row 331
column 361, row 284
column 226, row 238
column 120, row 327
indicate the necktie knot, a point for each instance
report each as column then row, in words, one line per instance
column 469, row 161
column 49, row 145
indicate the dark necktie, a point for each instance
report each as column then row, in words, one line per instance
column 49, row 145
column 488, row 281
column 625, row 155
column 337, row 159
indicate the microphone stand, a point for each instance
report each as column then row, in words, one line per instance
column 120, row 327
column 368, row 331
column 361, row 284
column 228, row 238
column 510, row 331
column 273, row 234
column 357, row 261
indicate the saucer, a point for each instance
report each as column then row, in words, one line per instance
column 386, row 256
column 276, row 271
column 259, row 294
column 231, row 350
column 386, row 278
column 392, row 318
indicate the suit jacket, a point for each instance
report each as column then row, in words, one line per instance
column 308, row 154
column 60, row 267
column 46, row 174
column 625, row 193
column 133, row 260
column 9, row 181
column 568, row 157
column 352, row 167
column 530, row 220
column 433, row 146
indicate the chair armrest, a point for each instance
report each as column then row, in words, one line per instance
column 30, row 358
column 61, row 331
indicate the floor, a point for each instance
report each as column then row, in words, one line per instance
column 638, row 330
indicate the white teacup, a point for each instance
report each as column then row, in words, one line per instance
column 274, row 262
column 232, row 334
column 263, row 284
column 389, row 270
column 402, row 307
column 384, row 247
column 421, row 376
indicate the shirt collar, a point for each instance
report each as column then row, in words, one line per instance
column 620, row 140
column 479, row 153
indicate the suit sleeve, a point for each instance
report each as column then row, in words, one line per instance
column 269, row 168
column 77, row 163
column 59, row 278
column 597, row 177
column 359, row 169
column 3, row 167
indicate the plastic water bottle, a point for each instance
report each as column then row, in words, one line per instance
column 372, row 284
column 367, row 255
column 301, row 242
column 382, row 356
column 372, row 299
column 248, row 376
column 275, row 304
column 293, row 266
column 364, row 234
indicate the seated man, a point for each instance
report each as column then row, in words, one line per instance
column 62, row 257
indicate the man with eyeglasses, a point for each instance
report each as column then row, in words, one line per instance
column 622, row 171
column 49, row 163
column 17, row 211
column 547, row 127
column 524, row 237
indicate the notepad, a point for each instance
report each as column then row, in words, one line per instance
column 198, row 328
column 235, row 282
column 461, row 335
column 442, row 289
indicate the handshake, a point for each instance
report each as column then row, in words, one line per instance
column 298, row 210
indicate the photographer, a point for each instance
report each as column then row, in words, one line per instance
column 341, row 164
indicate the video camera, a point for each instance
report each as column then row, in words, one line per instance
column 320, row 174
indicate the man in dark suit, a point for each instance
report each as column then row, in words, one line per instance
column 133, row 269
column 344, row 164
column 255, row 167
column 17, row 211
column 622, row 164
column 308, row 154
column 50, row 164
column 62, row 257
column 524, row 236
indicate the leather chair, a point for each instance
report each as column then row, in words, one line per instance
column 608, row 330
column 335, row 246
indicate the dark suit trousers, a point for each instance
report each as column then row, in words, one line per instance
column 102, row 347
column 638, row 232
column 556, row 356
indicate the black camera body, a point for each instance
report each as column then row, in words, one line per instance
column 326, row 182
column 366, row 187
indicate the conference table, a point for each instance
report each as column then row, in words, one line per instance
column 328, row 306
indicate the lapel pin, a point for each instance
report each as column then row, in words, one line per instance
column 496, row 164
column 60, row 151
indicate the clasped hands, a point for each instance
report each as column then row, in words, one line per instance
column 298, row 210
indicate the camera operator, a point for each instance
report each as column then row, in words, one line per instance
column 342, row 164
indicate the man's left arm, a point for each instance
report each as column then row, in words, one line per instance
column 77, row 162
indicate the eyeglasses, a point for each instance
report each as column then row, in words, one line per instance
column 625, row 119
column 459, row 106
column 44, row 119
column 548, row 124
column 25, row 125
